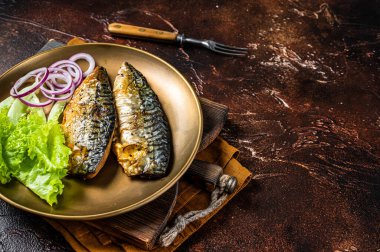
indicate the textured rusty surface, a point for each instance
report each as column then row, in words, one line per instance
column 304, row 110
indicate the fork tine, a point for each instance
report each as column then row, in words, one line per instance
column 231, row 47
column 228, row 53
column 217, row 47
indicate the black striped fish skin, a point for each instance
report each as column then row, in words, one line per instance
column 88, row 124
column 142, row 139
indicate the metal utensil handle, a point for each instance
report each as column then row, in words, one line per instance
column 141, row 32
column 210, row 174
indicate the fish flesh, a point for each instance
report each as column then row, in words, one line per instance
column 142, row 138
column 88, row 124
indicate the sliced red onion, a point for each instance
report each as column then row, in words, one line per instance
column 61, row 62
column 46, row 79
column 75, row 71
column 58, row 73
column 86, row 57
column 62, row 97
column 62, row 89
column 72, row 67
column 37, row 83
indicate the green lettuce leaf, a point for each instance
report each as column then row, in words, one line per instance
column 6, row 128
column 34, row 152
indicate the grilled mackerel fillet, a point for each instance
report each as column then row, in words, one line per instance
column 88, row 124
column 142, row 139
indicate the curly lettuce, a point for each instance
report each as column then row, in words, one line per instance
column 6, row 128
column 33, row 151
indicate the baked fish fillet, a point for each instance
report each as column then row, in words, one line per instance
column 142, row 138
column 88, row 124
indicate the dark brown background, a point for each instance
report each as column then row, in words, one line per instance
column 304, row 111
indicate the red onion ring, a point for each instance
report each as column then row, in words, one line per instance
column 61, row 62
column 76, row 73
column 52, row 79
column 86, row 57
column 46, row 80
column 72, row 67
column 63, row 97
column 37, row 83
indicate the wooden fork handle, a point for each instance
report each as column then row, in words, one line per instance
column 141, row 32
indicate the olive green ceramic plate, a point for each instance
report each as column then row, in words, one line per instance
column 111, row 192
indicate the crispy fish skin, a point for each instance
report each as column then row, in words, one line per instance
column 142, row 139
column 88, row 124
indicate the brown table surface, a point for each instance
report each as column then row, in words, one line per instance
column 304, row 111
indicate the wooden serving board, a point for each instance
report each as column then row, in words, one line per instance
column 142, row 226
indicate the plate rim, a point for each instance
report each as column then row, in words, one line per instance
column 152, row 196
